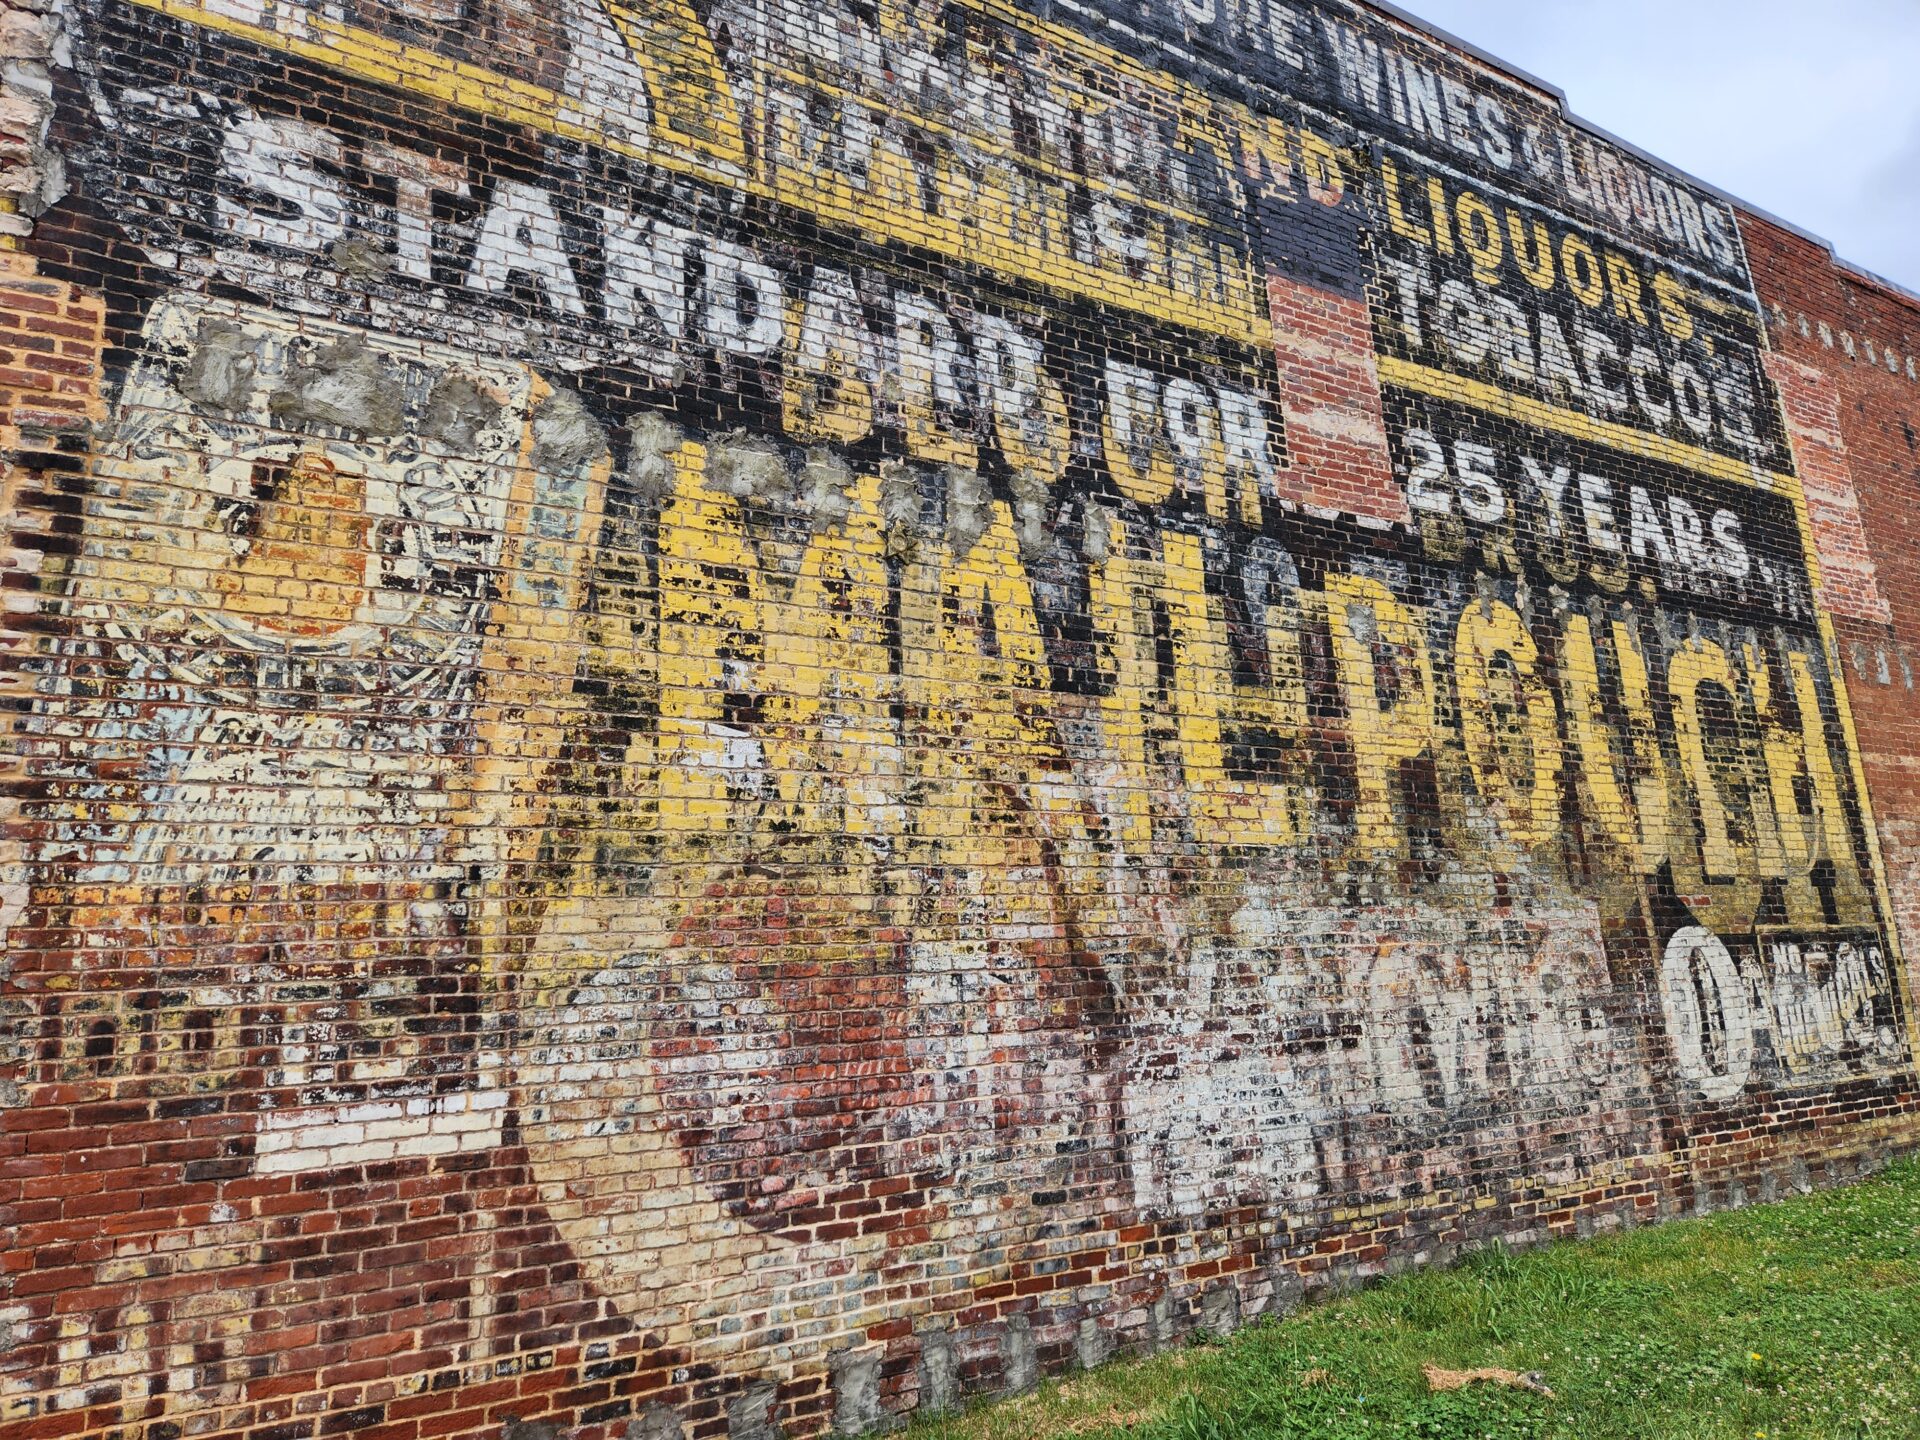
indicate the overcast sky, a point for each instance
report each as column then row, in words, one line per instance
column 1807, row 108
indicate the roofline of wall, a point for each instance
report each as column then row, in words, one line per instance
column 1857, row 272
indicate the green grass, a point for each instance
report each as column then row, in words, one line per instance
column 1793, row 1320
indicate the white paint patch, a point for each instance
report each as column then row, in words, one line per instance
column 1708, row 1014
column 375, row 1132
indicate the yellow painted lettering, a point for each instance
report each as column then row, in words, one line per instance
column 686, row 82
column 709, row 626
column 1787, row 845
column 1586, row 720
column 1526, row 791
column 975, row 667
column 1442, row 216
column 1030, row 421
column 823, row 394
column 1582, row 269
column 1326, row 182
column 1231, row 811
column 1122, row 590
column 1387, row 724
column 1670, row 296
column 1703, row 663
column 1836, row 835
column 1624, row 280
column 1405, row 228
column 828, row 683
column 1131, row 437
column 1192, row 425
column 1535, row 256
column 1650, row 793
column 929, row 379
column 1480, row 236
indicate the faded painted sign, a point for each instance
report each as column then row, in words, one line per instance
column 821, row 671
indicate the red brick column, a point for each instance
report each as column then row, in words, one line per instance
column 1330, row 394
column 50, row 346
column 50, row 350
column 1847, row 364
column 1849, row 584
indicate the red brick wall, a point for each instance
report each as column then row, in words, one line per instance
column 1855, row 343
column 729, row 718
column 50, row 353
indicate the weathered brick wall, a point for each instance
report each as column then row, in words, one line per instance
column 729, row 718
column 1848, row 355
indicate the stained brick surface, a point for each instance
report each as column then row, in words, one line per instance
column 1852, row 345
column 730, row 718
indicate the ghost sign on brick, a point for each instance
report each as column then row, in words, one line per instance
column 735, row 684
